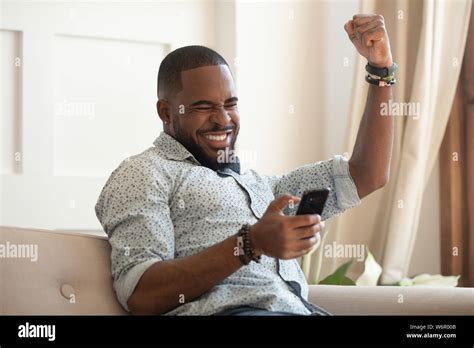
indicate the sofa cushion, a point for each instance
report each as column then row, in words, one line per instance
column 70, row 276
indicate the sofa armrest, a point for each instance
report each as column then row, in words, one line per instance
column 393, row 300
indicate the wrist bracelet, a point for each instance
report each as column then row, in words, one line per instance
column 244, row 246
column 381, row 82
column 381, row 72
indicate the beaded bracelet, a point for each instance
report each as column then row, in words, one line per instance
column 381, row 82
column 244, row 245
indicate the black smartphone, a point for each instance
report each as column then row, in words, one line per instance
column 313, row 201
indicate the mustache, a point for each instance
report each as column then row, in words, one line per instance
column 227, row 128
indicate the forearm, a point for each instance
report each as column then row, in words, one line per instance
column 167, row 284
column 370, row 161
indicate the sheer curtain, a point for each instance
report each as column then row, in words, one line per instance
column 457, row 175
column 428, row 40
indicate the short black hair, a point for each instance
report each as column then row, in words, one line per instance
column 181, row 59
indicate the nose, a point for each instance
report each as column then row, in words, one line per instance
column 220, row 116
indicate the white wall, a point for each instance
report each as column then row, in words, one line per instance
column 280, row 71
column 339, row 71
column 83, row 98
column 10, row 97
column 295, row 67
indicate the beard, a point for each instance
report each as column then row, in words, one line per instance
column 198, row 152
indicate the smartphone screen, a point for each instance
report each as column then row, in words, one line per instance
column 313, row 201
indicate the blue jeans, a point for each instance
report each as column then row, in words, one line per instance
column 246, row 310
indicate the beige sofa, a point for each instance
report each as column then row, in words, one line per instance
column 72, row 276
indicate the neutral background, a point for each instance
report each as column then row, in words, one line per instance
column 78, row 93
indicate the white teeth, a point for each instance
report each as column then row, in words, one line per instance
column 216, row 137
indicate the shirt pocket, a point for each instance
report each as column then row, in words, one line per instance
column 260, row 194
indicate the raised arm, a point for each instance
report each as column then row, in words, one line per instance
column 370, row 161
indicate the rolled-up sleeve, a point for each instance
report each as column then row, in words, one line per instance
column 333, row 173
column 134, row 212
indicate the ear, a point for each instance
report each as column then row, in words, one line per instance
column 163, row 109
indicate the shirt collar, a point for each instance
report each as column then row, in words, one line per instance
column 172, row 149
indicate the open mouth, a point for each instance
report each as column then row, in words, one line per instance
column 218, row 139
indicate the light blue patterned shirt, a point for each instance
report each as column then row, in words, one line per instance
column 162, row 205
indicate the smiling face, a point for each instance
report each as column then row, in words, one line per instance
column 203, row 115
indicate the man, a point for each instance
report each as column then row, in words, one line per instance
column 190, row 234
